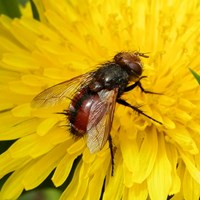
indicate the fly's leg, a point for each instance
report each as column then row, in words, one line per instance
column 146, row 91
column 111, row 154
column 124, row 103
column 138, row 83
column 65, row 112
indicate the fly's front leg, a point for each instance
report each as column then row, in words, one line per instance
column 146, row 91
column 138, row 83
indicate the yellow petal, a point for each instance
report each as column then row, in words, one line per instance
column 77, row 146
column 128, row 177
column 39, row 169
column 44, row 144
column 173, row 158
column 190, row 165
column 35, row 146
column 191, row 188
column 129, row 150
column 23, row 110
column 82, row 184
column 20, row 61
column 95, row 185
column 72, row 187
column 21, row 88
column 9, row 164
column 160, row 176
column 114, row 186
column 17, row 128
column 46, row 125
column 182, row 136
column 33, row 80
column 13, row 186
column 22, row 147
column 87, row 156
column 137, row 192
column 146, row 157
column 63, row 169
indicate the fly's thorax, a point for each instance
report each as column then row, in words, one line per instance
column 95, row 86
column 109, row 76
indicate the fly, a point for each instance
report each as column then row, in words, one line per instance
column 94, row 96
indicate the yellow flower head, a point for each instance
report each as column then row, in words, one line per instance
column 151, row 161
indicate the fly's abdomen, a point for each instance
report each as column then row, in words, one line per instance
column 80, row 111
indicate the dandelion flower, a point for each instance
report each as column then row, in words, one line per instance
column 151, row 160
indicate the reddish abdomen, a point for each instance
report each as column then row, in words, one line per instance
column 80, row 110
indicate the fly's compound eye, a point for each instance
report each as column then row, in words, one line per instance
column 130, row 62
column 135, row 68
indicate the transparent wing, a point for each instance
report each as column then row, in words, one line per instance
column 100, row 120
column 57, row 93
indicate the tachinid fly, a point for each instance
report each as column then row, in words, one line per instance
column 94, row 95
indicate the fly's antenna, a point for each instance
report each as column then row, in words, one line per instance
column 138, row 53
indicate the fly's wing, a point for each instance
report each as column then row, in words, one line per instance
column 57, row 93
column 100, row 120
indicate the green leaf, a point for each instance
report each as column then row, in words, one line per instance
column 195, row 75
column 44, row 194
column 10, row 8
column 51, row 194
column 35, row 11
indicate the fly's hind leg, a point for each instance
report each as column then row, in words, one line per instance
column 111, row 154
column 124, row 103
